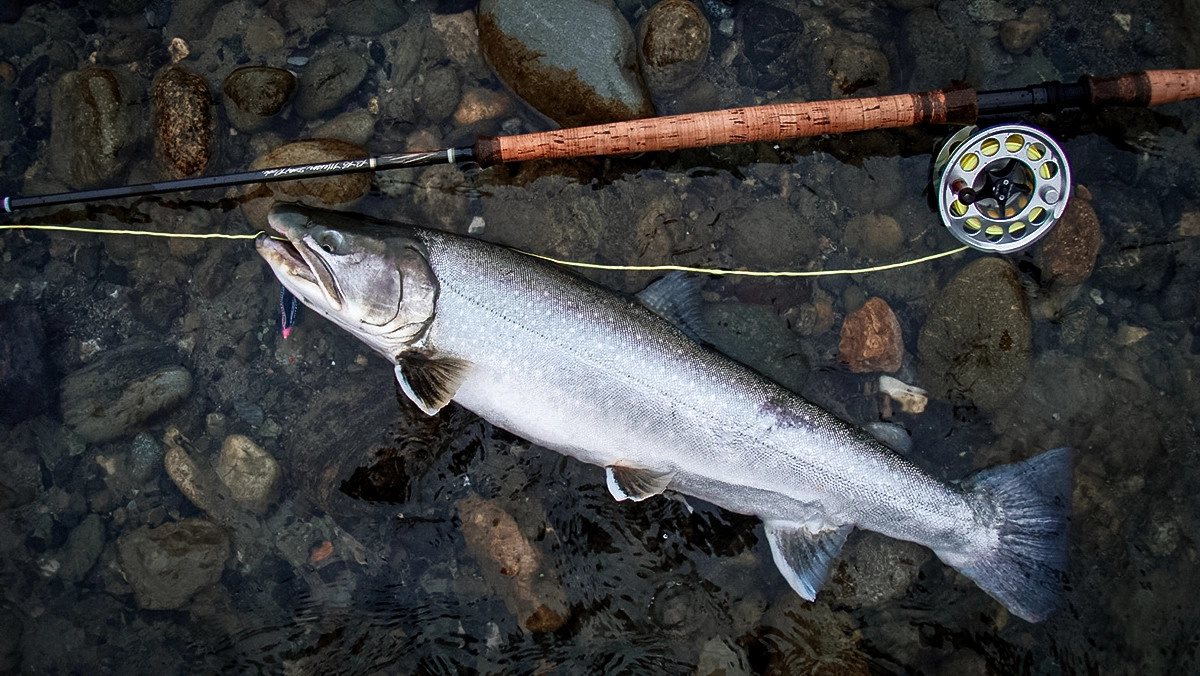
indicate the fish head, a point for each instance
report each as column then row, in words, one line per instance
column 368, row 276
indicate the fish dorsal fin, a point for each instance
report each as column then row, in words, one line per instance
column 804, row 556
column 429, row 381
column 676, row 298
column 627, row 482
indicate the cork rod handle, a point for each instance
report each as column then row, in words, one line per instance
column 738, row 125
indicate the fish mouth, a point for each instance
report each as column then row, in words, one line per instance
column 298, row 257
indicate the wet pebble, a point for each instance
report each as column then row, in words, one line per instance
column 121, row 389
column 871, row 339
column 248, row 411
column 145, row 457
column 874, row 570
column 93, row 129
column 512, row 565
column 26, row 378
column 459, row 33
column 327, row 81
column 256, row 93
column 1067, row 254
column 479, row 105
column 975, row 345
column 167, row 565
column 325, row 190
column 19, row 39
column 367, row 17
column 249, row 472
column 572, row 60
column 83, row 548
column 439, row 94
column 673, row 41
column 21, row 482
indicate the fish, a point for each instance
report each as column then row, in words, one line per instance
column 622, row 383
column 289, row 309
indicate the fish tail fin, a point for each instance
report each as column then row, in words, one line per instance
column 1026, row 567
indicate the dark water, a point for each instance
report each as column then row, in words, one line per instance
column 653, row 587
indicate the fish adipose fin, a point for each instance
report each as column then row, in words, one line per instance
column 636, row 483
column 676, row 298
column 803, row 556
column 1026, row 567
column 430, row 382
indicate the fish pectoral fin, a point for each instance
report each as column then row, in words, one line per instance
column 430, row 382
column 804, row 556
column 627, row 482
column 676, row 298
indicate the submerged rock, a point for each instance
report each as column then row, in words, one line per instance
column 512, row 565
column 256, row 93
column 572, row 60
column 871, row 339
column 1067, row 254
column 327, row 81
column 328, row 189
column 83, row 547
column 249, row 472
column 975, row 347
column 26, row 379
column 92, row 128
column 167, row 565
column 673, row 41
column 123, row 388
column 367, row 17
column 185, row 125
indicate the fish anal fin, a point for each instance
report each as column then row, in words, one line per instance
column 804, row 555
column 430, row 382
column 629, row 482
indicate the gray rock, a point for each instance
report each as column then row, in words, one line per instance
column 83, row 547
column 93, row 130
column 975, row 345
column 20, row 38
column 756, row 337
column 934, row 54
column 574, row 61
column 367, row 17
column 874, row 236
column 166, row 565
column 773, row 45
column 327, row 81
column 772, row 235
column 356, row 127
column 249, row 472
column 722, row 657
column 123, row 388
column 440, row 94
column 11, row 630
column 21, row 482
column 145, row 457
column 875, row 569
column 256, row 93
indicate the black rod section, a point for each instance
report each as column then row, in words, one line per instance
column 1035, row 98
column 398, row 161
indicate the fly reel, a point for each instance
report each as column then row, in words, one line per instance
column 1001, row 189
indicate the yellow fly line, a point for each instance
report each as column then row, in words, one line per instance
column 575, row 264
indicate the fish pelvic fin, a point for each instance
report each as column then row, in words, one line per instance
column 803, row 555
column 627, row 482
column 1026, row 568
column 430, row 382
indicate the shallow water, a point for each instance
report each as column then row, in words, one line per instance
column 659, row 586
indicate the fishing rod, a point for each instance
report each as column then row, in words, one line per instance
column 774, row 122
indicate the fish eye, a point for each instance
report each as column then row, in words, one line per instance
column 330, row 241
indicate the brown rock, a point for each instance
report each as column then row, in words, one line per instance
column 871, row 339
column 1067, row 254
column 256, row 93
column 249, row 472
column 1018, row 35
column 673, row 41
column 512, row 565
column 874, row 236
column 185, row 124
column 480, row 104
column 329, row 189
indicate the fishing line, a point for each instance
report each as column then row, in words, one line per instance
column 574, row 264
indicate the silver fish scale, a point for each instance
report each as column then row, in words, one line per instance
column 578, row 370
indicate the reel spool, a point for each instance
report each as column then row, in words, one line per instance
column 1001, row 189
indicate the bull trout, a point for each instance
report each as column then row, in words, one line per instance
column 603, row 378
